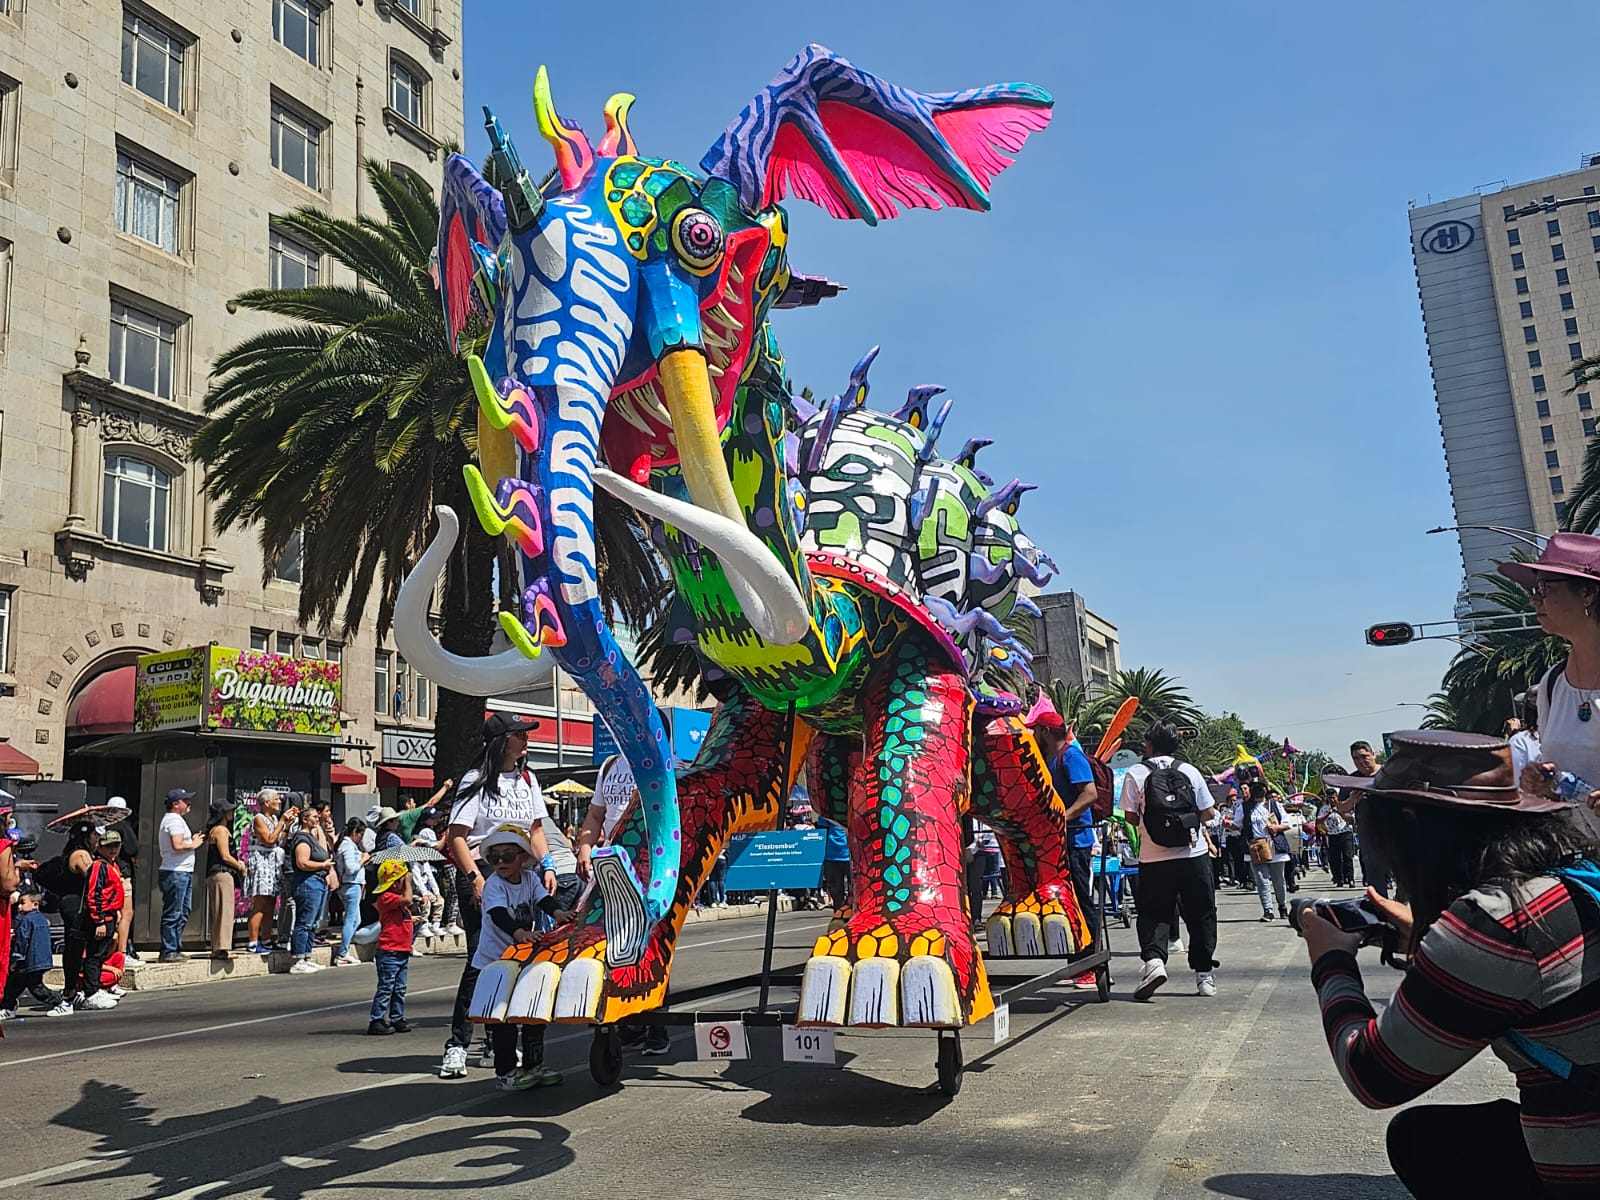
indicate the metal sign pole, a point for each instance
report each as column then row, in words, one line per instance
column 766, row 954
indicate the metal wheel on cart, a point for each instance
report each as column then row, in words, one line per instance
column 605, row 1055
column 950, row 1064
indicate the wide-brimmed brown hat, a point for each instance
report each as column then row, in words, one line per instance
column 1456, row 770
column 1574, row 555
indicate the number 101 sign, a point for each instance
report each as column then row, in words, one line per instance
column 807, row 1045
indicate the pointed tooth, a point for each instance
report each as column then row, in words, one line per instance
column 624, row 404
column 650, row 405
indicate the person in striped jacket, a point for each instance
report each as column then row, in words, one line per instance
column 1503, row 936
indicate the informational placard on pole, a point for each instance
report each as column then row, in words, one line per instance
column 808, row 1045
column 760, row 862
column 720, row 1040
column 1002, row 1022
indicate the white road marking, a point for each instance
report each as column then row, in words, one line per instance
column 1147, row 1173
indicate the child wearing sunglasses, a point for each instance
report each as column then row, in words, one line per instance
column 511, row 895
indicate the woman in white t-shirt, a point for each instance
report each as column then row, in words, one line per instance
column 1565, row 587
column 494, row 793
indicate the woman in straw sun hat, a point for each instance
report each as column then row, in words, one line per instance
column 1503, row 934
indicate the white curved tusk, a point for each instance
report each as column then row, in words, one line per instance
column 771, row 602
column 491, row 675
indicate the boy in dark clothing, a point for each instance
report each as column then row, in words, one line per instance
column 30, row 959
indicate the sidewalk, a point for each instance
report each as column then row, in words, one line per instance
column 200, row 967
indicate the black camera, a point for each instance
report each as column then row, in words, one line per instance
column 1352, row 916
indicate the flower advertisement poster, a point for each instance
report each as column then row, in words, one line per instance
column 255, row 690
column 169, row 690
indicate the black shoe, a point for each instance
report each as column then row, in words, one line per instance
column 401, row 1026
column 633, row 1038
column 380, row 1028
column 656, row 1042
column 170, row 958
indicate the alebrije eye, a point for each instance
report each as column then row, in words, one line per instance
column 697, row 238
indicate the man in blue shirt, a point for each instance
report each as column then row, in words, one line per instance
column 836, row 861
column 1074, row 783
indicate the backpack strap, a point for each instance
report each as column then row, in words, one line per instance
column 1555, row 673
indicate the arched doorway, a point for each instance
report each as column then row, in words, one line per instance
column 101, row 706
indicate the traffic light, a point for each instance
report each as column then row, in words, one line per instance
column 1187, row 733
column 1391, row 633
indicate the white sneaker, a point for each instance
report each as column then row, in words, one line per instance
column 117, row 990
column 1205, row 983
column 1151, row 976
column 436, row 931
column 64, row 1009
column 100, row 1001
column 1174, row 948
column 454, row 1064
column 10, row 1014
column 303, row 966
column 454, row 930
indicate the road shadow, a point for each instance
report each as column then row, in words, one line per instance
column 1338, row 1186
column 224, row 1150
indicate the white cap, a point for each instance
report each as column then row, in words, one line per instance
column 507, row 835
column 116, row 802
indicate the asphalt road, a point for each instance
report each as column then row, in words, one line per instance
column 269, row 1088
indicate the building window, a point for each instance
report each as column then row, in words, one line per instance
column 1547, row 200
column 1542, row 407
column 288, row 567
column 5, row 288
column 311, row 647
column 147, row 203
column 1558, row 253
column 1561, row 510
column 5, row 629
column 1529, row 334
column 1574, row 351
column 152, row 60
column 1525, row 310
column 1522, row 286
column 1513, row 237
column 1553, row 227
column 1547, row 434
column 1507, row 209
column 1584, row 403
column 406, row 92
column 8, row 127
column 333, row 652
column 1538, row 383
column 1557, row 488
column 381, row 697
column 296, row 146
column 1517, row 263
column 283, row 644
column 414, row 7
column 1566, row 301
column 1571, row 326
column 1588, row 427
column 1588, row 191
column 1562, row 279
column 135, row 503
column 1552, row 459
column 142, row 347
column 297, row 26
column 258, row 640
column 1594, row 219
column 423, row 708
column 291, row 264
column 1535, row 359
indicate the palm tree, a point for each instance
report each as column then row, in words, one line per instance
column 1491, row 668
column 350, row 421
column 1160, row 697
column 1583, row 501
column 1441, row 713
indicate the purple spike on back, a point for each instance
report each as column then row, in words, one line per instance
column 857, row 395
column 1005, row 497
column 968, row 457
column 915, row 409
column 931, row 434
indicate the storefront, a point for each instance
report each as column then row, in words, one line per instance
column 224, row 724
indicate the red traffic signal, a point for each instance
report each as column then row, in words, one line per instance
column 1392, row 633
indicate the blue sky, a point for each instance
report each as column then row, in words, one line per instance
column 1191, row 316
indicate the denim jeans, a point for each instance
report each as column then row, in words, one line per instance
column 350, row 893
column 310, row 898
column 1270, row 883
column 389, row 1001
column 177, row 899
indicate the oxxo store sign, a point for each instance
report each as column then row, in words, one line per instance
column 408, row 749
column 216, row 687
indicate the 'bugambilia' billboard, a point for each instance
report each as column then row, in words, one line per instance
column 217, row 687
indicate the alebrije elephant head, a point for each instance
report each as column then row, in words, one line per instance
column 626, row 297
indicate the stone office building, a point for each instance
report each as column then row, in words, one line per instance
column 145, row 147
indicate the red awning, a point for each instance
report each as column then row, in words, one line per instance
column 104, row 705
column 420, row 778
column 343, row 776
column 15, row 762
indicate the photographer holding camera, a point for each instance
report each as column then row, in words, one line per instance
column 1503, row 935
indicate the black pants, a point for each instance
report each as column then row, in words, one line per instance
column 472, row 922
column 1081, row 860
column 31, row 982
column 83, row 957
column 1373, row 873
column 1187, row 883
column 1341, row 858
column 1238, row 860
column 1455, row 1151
column 836, row 878
column 504, row 1040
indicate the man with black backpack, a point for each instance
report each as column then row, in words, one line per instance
column 1169, row 801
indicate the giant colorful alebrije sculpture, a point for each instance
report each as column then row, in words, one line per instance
column 628, row 300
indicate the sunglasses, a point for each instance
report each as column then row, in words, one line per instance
column 1540, row 590
column 504, row 860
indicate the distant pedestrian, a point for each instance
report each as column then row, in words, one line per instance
column 1168, row 803
column 263, row 868
column 427, row 896
column 103, row 898
column 835, row 866
column 30, row 961
column 1265, row 824
column 177, row 845
column 349, row 862
column 392, row 956
column 1374, row 874
column 309, row 855
column 569, row 885
column 1338, row 835
column 386, row 831
column 224, row 877
column 1524, row 739
column 1073, row 778
column 411, row 812
column 128, row 864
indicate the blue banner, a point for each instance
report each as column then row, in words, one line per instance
column 759, row 862
column 604, row 744
column 689, row 726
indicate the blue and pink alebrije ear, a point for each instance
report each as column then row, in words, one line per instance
column 828, row 132
column 470, row 212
